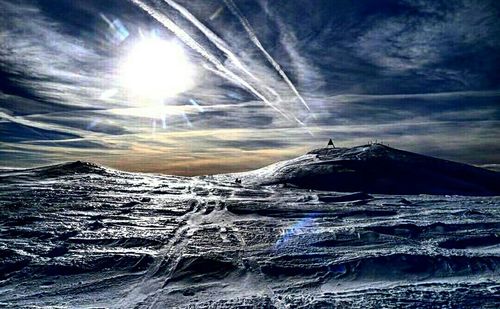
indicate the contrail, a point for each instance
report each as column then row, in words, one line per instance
column 262, row 98
column 193, row 44
column 234, row 9
column 216, row 40
column 216, row 13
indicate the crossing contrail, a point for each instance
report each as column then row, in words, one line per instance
column 234, row 9
column 194, row 45
column 219, row 43
column 219, row 73
column 216, row 40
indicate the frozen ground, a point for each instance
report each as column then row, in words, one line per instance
column 78, row 235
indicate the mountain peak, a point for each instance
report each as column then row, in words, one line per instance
column 377, row 168
column 368, row 149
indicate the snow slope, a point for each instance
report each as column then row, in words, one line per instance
column 78, row 235
column 377, row 168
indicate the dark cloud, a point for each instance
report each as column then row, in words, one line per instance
column 14, row 132
column 68, row 144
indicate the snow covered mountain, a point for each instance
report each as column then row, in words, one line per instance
column 78, row 235
column 377, row 168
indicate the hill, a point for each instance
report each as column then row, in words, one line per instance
column 377, row 168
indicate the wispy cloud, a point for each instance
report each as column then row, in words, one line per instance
column 421, row 75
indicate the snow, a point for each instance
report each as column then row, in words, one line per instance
column 80, row 235
column 375, row 168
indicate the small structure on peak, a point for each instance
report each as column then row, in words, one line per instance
column 330, row 143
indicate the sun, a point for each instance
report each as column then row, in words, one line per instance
column 157, row 69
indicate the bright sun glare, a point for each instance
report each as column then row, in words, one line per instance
column 157, row 69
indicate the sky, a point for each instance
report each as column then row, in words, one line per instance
column 211, row 86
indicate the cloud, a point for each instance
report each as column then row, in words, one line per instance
column 441, row 42
column 15, row 132
column 421, row 75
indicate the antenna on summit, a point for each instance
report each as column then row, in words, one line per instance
column 330, row 143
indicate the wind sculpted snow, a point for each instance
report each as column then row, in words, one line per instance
column 81, row 235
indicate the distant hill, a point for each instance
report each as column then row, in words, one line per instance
column 377, row 168
column 371, row 168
